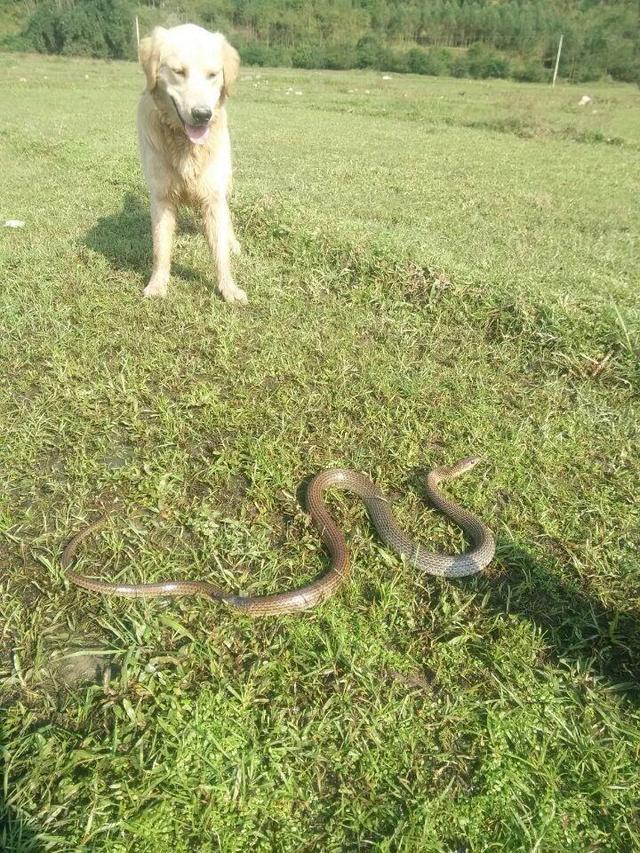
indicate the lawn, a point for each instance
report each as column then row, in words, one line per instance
column 435, row 268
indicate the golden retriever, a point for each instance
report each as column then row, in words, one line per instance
column 184, row 144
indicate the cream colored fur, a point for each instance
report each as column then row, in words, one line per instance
column 187, row 67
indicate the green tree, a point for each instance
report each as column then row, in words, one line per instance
column 100, row 28
column 601, row 36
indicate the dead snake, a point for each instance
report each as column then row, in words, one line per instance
column 319, row 590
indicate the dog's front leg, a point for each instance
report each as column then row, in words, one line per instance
column 163, row 223
column 219, row 231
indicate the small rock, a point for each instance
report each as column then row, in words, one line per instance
column 386, row 77
column 584, row 100
column 14, row 223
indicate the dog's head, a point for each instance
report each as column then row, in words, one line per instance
column 189, row 71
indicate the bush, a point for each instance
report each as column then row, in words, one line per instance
column 15, row 42
column 44, row 32
column 442, row 57
column 340, row 57
column 460, row 66
column 587, row 73
column 531, row 72
column 368, row 51
column 627, row 73
column 483, row 63
column 419, row 62
column 433, row 62
column 393, row 60
column 308, row 56
column 624, row 65
column 279, row 57
column 98, row 28
column 255, row 53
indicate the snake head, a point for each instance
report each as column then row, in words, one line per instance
column 467, row 464
column 447, row 472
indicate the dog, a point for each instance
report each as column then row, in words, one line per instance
column 184, row 143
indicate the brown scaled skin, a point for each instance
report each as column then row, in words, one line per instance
column 319, row 590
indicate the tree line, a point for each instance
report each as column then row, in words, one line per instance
column 476, row 38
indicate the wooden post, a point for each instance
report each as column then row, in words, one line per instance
column 555, row 73
column 137, row 33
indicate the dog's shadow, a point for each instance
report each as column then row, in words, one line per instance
column 124, row 239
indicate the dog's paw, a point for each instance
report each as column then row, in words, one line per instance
column 234, row 295
column 155, row 291
column 236, row 248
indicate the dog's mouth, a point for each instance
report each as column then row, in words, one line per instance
column 196, row 133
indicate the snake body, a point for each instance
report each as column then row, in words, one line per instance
column 319, row 590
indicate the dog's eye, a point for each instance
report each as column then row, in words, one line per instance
column 179, row 71
column 212, row 75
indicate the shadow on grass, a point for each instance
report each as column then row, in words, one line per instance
column 124, row 239
column 576, row 626
column 18, row 833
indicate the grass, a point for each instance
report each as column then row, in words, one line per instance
column 435, row 268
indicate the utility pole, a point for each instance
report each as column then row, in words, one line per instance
column 555, row 73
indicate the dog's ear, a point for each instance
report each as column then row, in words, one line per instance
column 230, row 66
column 149, row 55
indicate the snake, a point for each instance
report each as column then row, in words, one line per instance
column 319, row 590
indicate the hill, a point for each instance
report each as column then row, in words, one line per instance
column 482, row 38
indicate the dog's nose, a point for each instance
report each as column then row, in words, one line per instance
column 201, row 115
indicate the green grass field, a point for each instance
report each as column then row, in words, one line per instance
column 435, row 268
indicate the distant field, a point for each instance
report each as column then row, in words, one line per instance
column 435, row 267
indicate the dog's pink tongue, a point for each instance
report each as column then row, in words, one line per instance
column 197, row 133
